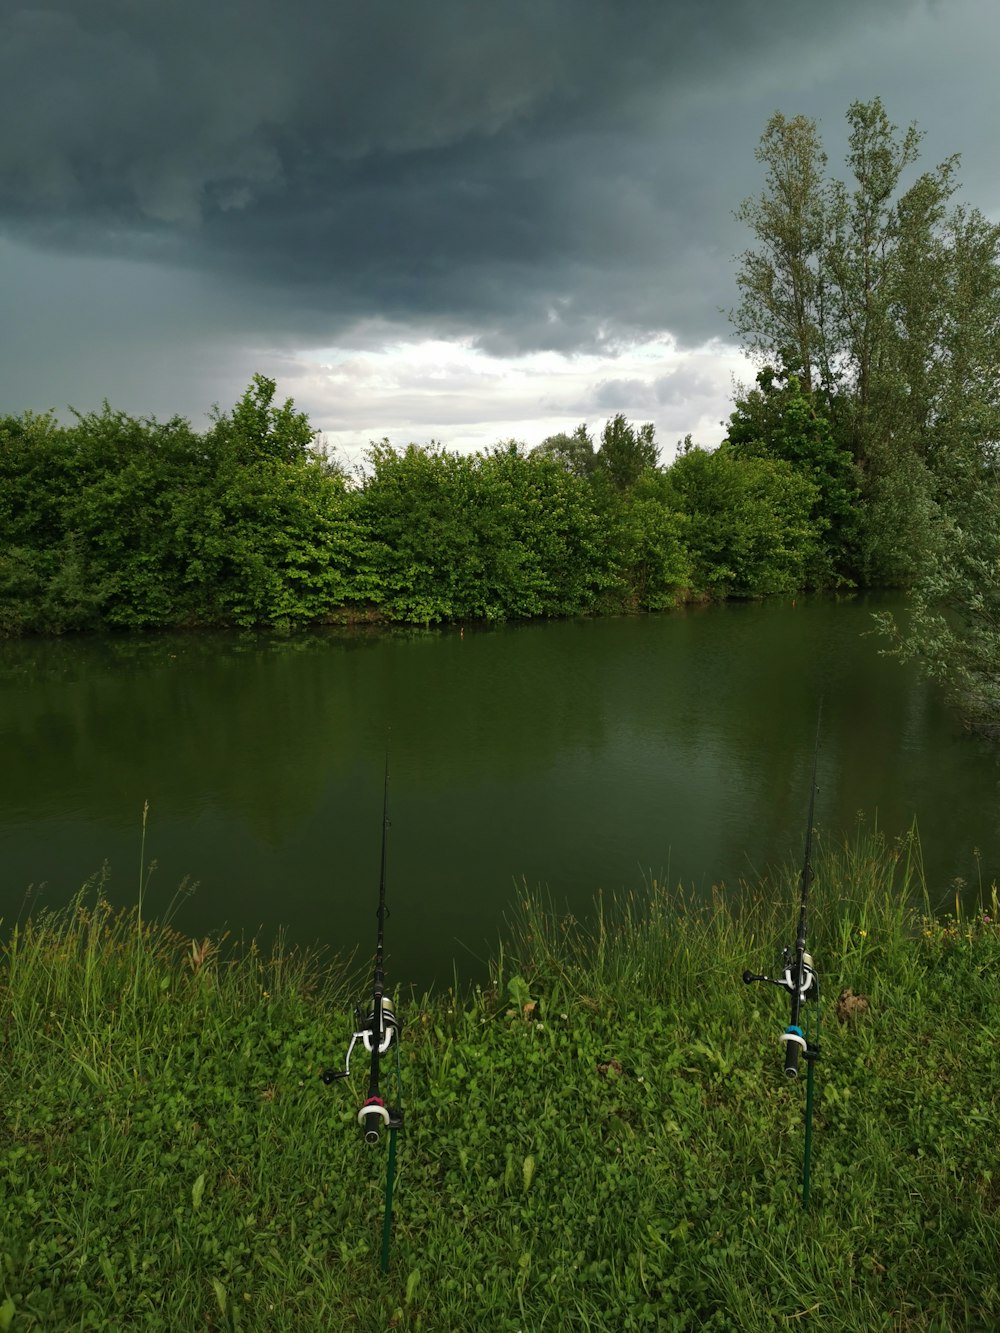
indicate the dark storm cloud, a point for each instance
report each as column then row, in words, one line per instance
column 552, row 173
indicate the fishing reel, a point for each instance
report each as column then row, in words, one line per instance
column 809, row 978
column 366, row 1035
column 794, row 1037
column 374, row 1113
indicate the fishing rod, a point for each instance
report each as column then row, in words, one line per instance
column 376, row 1031
column 801, row 1036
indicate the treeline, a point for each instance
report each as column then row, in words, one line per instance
column 115, row 522
column 876, row 302
column 865, row 455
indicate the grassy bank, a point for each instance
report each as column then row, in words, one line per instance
column 600, row 1140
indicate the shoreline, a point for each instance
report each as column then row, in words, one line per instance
column 600, row 1138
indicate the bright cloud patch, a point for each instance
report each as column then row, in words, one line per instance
column 458, row 395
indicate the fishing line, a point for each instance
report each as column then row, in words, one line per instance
column 378, row 1031
column 801, row 1037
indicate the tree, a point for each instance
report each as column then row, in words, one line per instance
column 779, row 419
column 256, row 429
column 130, row 473
column 574, row 452
column 862, row 289
column 625, row 452
column 953, row 630
column 646, row 532
column 782, row 286
column 489, row 536
column 747, row 522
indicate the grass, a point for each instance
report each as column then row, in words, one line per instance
column 599, row 1139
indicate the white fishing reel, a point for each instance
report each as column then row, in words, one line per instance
column 793, row 1037
column 389, row 1028
column 809, row 978
column 366, row 1035
column 787, row 979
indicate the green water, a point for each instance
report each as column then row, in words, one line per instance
column 576, row 756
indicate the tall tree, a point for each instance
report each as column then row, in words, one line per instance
column 782, row 284
column 626, row 452
column 574, row 452
column 856, row 287
column 885, row 296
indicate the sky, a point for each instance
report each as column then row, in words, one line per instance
column 448, row 220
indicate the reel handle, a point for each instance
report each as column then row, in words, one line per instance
column 749, row 976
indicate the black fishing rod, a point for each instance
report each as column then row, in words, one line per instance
column 801, row 1036
column 376, row 1031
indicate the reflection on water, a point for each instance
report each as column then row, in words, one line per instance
column 577, row 755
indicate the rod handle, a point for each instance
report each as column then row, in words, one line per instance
column 795, row 1042
column 372, row 1117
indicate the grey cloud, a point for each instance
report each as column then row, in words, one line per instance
column 608, row 396
column 142, row 110
column 533, row 173
column 165, row 113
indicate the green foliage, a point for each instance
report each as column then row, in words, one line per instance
column 486, row 536
column 282, row 544
column 575, row 452
column 889, row 301
column 886, row 301
column 257, row 431
column 36, row 474
column 650, row 536
column 779, row 420
column 117, row 522
column 601, row 1138
column 782, row 284
column 416, row 507
column 538, row 536
column 49, row 590
column 953, row 626
column 625, row 453
column 129, row 474
column 45, row 583
column 747, row 522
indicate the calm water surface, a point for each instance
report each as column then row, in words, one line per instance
column 574, row 756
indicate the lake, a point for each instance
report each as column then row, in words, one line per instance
column 571, row 756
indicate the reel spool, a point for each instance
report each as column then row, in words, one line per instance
column 808, row 975
column 390, row 1027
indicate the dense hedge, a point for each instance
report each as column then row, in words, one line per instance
column 116, row 522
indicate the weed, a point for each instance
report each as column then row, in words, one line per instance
column 599, row 1139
